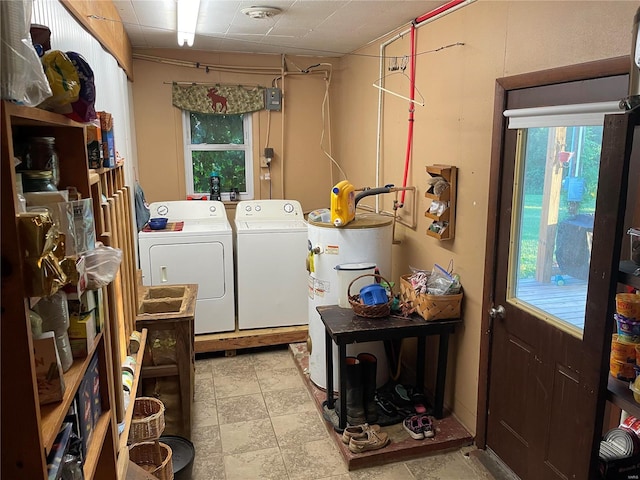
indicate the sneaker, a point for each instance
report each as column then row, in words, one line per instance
column 357, row 432
column 427, row 426
column 371, row 440
column 413, row 427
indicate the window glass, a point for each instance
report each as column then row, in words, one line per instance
column 221, row 144
column 556, row 188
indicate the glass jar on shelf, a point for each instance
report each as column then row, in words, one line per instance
column 38, row 181
column 43, row 156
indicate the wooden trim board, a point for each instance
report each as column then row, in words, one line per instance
column 250, row 338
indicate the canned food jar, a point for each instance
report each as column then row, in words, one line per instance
column 43, row 156
column 38, row 181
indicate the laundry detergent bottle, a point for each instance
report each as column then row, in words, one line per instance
column 343, row 203
column 214, row 186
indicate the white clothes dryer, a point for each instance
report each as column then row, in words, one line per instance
column 201, row 253
column 271, row 273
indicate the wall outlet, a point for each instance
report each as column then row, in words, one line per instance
column 264, row 162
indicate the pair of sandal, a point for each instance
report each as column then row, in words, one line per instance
column 365, row 437
column 419, row 427
column 408, row 395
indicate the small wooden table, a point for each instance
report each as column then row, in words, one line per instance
column 343, row 327
column 168, row 313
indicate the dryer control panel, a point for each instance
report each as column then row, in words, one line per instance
column 188, row 210
column 269, row 210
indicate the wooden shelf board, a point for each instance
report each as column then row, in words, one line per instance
column 32, row 116
column 443, row 197
column 439, row 236
column 438, row 218
column 124, row 436
column 619, row 394
column 52, row 415
column 626, row 276
column 93, row 177
column 95, row 446
column 250, row 338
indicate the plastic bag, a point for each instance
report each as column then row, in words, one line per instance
column 22, row 78
column 439, row 281
column 77, row 223
column 101, row 264
column 84, row 108
column 63, row 79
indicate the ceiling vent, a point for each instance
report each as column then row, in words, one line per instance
column 261, row 12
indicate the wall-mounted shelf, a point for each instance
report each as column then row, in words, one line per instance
column 447, row 218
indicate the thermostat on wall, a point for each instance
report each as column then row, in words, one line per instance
column 273, row 99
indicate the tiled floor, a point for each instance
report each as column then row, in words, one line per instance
column 254, row 419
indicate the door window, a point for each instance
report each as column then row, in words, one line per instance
column 552, row 225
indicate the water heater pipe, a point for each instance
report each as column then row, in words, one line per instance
column 428, row 17
column 412, row 109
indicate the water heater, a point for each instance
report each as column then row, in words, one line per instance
column 367, row 239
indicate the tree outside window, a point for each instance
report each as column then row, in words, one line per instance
column 221, row 144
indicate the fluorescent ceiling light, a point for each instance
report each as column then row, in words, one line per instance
column 187, row 20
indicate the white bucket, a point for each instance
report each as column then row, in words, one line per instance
column 347, row 272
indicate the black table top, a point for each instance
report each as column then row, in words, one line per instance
column 345, row 326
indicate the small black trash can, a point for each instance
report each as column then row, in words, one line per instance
column 183, row 454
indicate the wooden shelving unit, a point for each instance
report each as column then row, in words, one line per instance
column 28, row 428
column 621, row 204
column 448, row 216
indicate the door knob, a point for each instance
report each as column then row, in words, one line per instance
column 497, row 312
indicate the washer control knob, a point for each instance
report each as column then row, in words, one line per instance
column 163, row 210
column 248, row 208
column 288, row 207
column 212, row 209
column 258, row 208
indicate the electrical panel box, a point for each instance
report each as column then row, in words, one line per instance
column 273, row 99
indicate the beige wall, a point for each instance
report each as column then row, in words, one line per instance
column 455, row 127
column 500, row 38
column 298, row 158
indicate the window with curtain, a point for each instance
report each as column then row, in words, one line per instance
column 217, row 135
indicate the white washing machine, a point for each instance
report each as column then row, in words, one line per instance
column 201, row 253
column 271, row 273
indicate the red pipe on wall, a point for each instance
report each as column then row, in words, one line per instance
column 412, row 108
column 437, row 11
column 412, row 83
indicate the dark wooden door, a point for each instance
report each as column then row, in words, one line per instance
column 544, row 373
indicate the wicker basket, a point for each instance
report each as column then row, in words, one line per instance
column 147, row 422
column 370, row 311
column 154, row 457
column 430, row 307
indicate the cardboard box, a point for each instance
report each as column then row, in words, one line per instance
column 94, row 145
column 48, row 369
column 84, row 303
column 100, row 312
column 85, row 413
column 108, row 141
column 93, row 377
column 82, row 333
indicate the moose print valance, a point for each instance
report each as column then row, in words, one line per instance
column 221, row 99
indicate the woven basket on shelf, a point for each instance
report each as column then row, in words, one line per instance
column 147, row 422
column 154, row 457
column 430, row 307
column 370, row 311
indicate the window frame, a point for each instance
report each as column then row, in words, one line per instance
column 246, row 146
